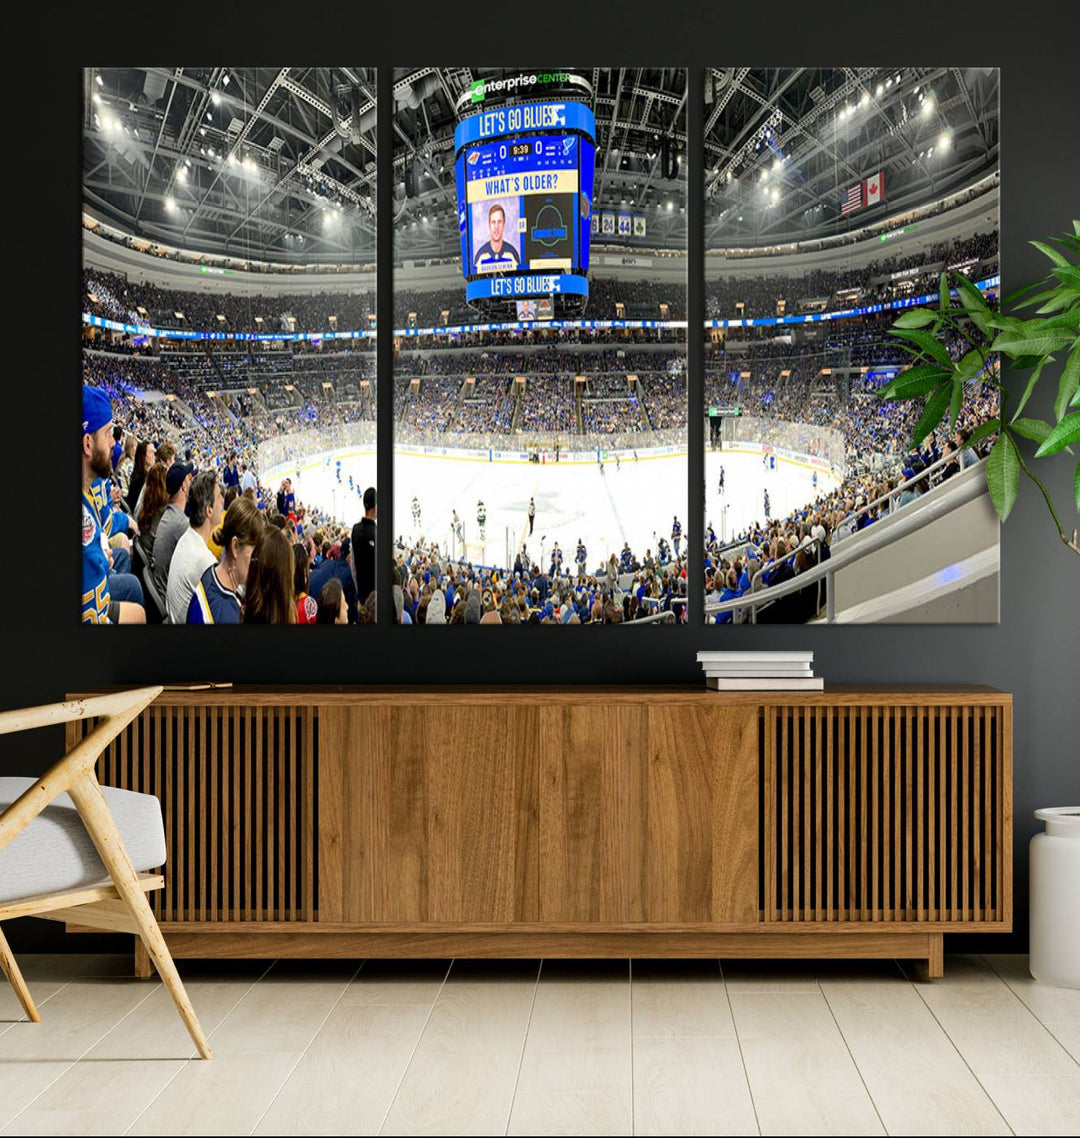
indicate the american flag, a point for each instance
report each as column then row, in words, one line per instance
column 852, row 200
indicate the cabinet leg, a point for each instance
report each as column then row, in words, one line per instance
column 142, row 960
column 935, row 964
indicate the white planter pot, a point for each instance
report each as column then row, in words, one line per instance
column 1055, row 898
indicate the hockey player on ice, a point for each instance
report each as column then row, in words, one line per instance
column 481, row 518
column 416, row 513
column 720, row 487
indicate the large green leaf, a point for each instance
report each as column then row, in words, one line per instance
column 1032, row 380
column 1064, row 434
column 1076, row 227
column 1068, row 384
column 1003, row 475
column 984, row 429
column 1031, row 341
column 974, row 302
column 915, row 318
column 1038, row 298
column 1050, row 252
column 926, row 343
column 933, row 412
column 1076, row 487
column 1014, row 296
column 969, row 366
column 1067, row 274
column 1062, row 298
column 943, row 292
column 1034, row 429
column 955, row 401
column 915, row 381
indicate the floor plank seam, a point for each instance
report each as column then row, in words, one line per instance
column 416, row 1047
column 738, row 1043
column 86, row 1051
column 1049, row 1027
column 524, row 1041
column 24, row 1018
column 315, row 1035
column 963, row 1057
column 184, row 1066
column 847, row 1048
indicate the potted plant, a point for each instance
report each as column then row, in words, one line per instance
column 974, row 332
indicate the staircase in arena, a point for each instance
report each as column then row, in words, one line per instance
column 637, row 389
column 518, row 389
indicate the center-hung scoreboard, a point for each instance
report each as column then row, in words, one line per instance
column 524, row 175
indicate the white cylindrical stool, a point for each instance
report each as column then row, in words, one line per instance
column 1055, row 899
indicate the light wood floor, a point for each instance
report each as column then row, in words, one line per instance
column 516, row 1047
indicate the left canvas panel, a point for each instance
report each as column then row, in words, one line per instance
column 228, row 345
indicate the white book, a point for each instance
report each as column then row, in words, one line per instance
column 776, row 671
column 755, row 657
column 765, row 684
column 754, row 665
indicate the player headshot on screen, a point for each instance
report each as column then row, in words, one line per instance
column 496, row 253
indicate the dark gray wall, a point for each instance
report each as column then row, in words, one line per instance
column 1032, row 653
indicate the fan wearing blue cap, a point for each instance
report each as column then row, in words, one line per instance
column 98, row 607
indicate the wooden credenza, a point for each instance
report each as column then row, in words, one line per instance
column 576, row 821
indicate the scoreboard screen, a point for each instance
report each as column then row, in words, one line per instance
column 525, row 201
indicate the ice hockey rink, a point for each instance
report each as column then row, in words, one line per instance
column 630, row 501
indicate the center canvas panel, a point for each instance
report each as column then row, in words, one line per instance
column 540, row 413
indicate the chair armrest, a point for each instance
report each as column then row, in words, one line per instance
column 23, row 719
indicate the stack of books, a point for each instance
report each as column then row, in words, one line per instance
column 760, row 671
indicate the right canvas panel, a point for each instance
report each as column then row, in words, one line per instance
column 837, row 202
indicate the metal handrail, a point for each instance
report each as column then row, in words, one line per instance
column 966, row 490
column 898, row 490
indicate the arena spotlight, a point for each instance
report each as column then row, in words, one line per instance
column 225, row 79
column 170, row 204
column 888, row 83
column 209, row 117
column 944, row 139
column 880, row 90
column 97, row 98
column 215, row 98
column 928, row 106
column 670, row 206
column 865, row 99
column 99, row 81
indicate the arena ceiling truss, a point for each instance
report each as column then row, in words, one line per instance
column 784, row 145
column 254, row 163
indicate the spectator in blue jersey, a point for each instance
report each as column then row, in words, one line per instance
column 98, row 605
column 496, row 252
column 117, row 447
column 218, row 598
column 339, row 567
column 230, row 476
column 676, row 535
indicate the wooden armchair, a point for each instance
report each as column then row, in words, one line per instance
column 55, row 873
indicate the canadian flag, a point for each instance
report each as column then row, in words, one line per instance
column 874, row 189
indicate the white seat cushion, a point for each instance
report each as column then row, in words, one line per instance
column 55, row 852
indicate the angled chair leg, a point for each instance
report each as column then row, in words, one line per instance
column 15, row 979
column 106, row 838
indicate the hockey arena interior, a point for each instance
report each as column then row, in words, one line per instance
column 540, row 438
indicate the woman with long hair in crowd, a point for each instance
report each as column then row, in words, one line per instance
column 270, row 598
column 307, row 607
column 332, row 606
column 219, row 595
column 141, row 466
column 155, row 498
